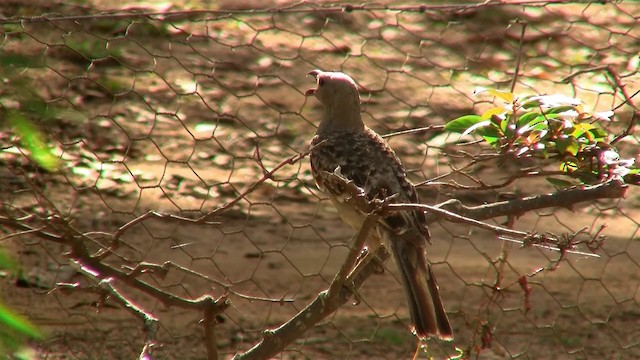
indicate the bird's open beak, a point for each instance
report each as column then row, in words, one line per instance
column 315, row 74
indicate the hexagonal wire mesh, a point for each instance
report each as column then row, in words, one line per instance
column 182, row 139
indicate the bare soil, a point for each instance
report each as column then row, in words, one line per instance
column 179, row 116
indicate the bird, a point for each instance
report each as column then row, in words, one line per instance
column 344, row 145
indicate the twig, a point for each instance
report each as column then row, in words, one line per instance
column 567, row 79
column 115, row 238
column 482, row 186
column 150, row 322
column 519, row 56
column 627, row 99
column 325, row 303
column 453, row 217
column 26, row 229
column 267, row 175
column 163, row 269
column 80, row 253
column 430, row 128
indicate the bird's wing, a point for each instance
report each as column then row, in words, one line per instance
column 364, row 160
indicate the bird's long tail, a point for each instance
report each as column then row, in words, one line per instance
column 421, row 290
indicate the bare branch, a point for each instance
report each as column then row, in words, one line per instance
column 105, row 288
column 344, row 284
column 563, row 198
column 209, row 324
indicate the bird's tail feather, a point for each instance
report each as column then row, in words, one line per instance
column 421, row 290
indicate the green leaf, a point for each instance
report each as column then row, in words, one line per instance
column 560, row 109
column 525, row 118
column 32, row 140
column 537, row 124
column 559, row 182
column 461, row 124
column 567, row 145
column 490, row 130
column 530, row 104
column 490, row 134
column 17, row 323
column 6, row 262
column 581, row 129
column 598, row 133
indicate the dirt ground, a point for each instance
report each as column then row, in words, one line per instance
column 180, row 115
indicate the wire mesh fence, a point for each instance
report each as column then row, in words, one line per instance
column 183, row 220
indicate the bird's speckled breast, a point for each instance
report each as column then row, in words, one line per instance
column 366, row 159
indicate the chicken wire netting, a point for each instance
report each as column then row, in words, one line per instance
column 183, row 220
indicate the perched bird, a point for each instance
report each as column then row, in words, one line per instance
column 344, row 145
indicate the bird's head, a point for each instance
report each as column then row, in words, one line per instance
column 339, row 95
column 333, row 88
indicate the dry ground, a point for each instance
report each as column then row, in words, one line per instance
column 167, row 116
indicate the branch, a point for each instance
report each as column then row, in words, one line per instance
column 105, row 288
column 266, row 175
column 210, row 343
column 563, row 198
column 516, row 72
column 343, row 286
column 628, row 99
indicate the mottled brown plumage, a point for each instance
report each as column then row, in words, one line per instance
column 343, row 142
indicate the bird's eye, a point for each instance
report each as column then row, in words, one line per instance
column 320, row 82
